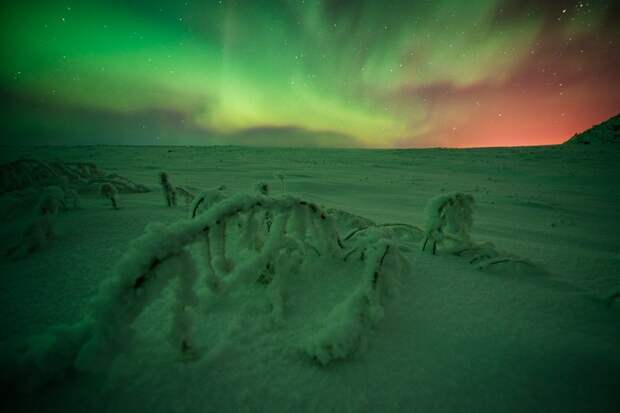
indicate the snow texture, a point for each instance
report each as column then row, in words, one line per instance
column 273, row 308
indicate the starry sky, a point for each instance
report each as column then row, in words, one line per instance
column 333, row 73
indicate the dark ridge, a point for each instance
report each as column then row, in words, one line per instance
column 604, row 133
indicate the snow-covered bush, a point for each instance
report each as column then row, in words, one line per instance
column 169, row 192
column 48, row 205
column 24, row 173
column 40, row 201
column 109, row 191
column 262, row 188
column 122, row 184
column 83, row 177
column 57, row 194
column 39, row 231
column 281, row 177
column 344, row 332
column 188, row 197
column 63, row 182
column 28, row 364
column 228, row 247
column 35, row 237
column 449, row 218
column 72, row 199
column 13, row 204
column 206, row 199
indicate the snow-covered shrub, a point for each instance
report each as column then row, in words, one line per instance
column 25, row 182
column 281, row 178
column 227, row 248
column 40, row 201
column 449, row 218
column 83, row 177
column 344, row 332
column 39, row 231
column 25, row 173
column 28, row 364
column 49, row 204
column 109, row 191
column 63, row 182
column 57, row 193
column 169, row 192
column 186, row 194
column 122, row 185
column 206, row 199
column 35, row 237
column 10, row 205
column 72, row 199
column 262, row 188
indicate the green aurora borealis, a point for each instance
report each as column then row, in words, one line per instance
column 307, row 73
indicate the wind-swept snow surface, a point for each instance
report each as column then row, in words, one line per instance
column 321, row 298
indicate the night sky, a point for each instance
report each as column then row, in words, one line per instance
column 308, row 73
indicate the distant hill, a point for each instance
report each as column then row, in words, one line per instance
column 605, row 132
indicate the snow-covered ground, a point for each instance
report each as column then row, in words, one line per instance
column 543, row 337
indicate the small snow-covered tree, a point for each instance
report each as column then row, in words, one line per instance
column 56, row 193
column 186, row 194
column 38, row 233
column 169, row 192
column 281, row 178
column 72, row 199
column 48, row 205
column 35, row 237
column 63, row 182
column 109, row 191
column 449, row 218
column 262, row 188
